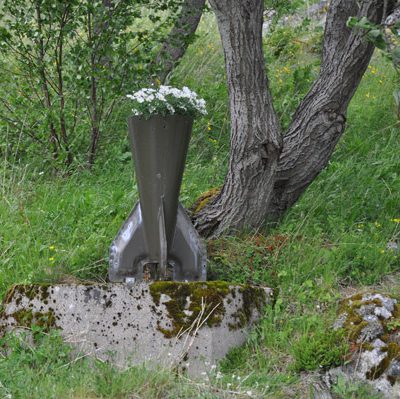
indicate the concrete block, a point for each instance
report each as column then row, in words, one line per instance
column 180, row 325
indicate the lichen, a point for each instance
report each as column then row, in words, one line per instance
column 188, row 299
column 211, row 295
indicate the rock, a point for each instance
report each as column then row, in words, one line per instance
column 368, row 360
column 393, row 246
column 372, row 330
column 387, row 302
column 339, row 323
column 379, row 344
column 394, row 369
column 320, row 391
column 370, row 320
column 182, row 325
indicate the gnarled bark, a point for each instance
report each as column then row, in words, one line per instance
column 256, row 187
column 255, row 136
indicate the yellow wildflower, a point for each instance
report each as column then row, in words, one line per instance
column 51, row 259
column 52, row 247
column 396, row 220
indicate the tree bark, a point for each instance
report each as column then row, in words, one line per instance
column 320, row 120
column 263, row 184
column 255, row 136
column 178, row 39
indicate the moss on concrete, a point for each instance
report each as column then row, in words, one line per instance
column 253, row 299
column 30, row 291
column 27, row 318
column 185, row 302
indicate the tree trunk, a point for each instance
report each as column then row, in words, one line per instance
column 255, row 138
column 53, row 137
column 178, row 39
column 59, row 56
column 256, row 187
column 94, row 113
column 319, row 121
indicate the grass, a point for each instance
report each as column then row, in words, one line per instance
column 58, row 227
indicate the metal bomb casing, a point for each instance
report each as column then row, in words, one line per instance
column 158, row 230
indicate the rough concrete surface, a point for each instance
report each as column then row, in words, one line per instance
column 188, row 325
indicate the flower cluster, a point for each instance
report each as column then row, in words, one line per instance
column 167, row 100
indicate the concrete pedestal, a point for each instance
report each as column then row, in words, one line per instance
column 182, row 325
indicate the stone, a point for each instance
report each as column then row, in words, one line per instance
column 394, row 369
column 180, row 325
column 393, row 246
column 372, row 330
column 371, row 321
column 339, row 322
column 387, row 302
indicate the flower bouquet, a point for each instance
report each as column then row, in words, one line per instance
column 167, row 100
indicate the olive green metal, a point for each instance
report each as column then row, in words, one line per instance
column 158, row 237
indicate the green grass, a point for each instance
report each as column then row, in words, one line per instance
column 58, row 227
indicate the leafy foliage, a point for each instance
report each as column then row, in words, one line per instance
column 68, row 63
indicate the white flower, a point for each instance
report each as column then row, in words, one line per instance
column 167, row 100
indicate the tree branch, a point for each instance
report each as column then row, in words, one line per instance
column 176, row 43
column 319, row 121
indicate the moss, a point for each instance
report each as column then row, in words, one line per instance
column 393, row 353
column 354, row 323
column 30, row 291
column 186, row 301
column 212, row 294
column 204, row 199
column 28, row 318
column 253, row 298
